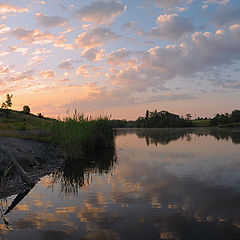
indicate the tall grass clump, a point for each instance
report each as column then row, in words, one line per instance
column 4, row 175
column 81, row 136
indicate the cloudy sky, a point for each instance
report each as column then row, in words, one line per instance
column 121, row 57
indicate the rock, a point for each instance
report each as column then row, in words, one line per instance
column 36, row 159
column 26, row 161
column 36, row 162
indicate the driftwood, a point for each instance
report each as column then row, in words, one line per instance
column 18, row 167
column 17, row 200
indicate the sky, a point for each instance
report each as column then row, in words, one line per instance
column 120, row 58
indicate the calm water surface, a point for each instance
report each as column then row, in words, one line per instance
column 158, row 184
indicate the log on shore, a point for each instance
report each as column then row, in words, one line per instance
column 18, row 167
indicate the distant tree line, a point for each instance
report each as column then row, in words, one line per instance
column 155, row 119
column 116, row 123
column 223, row 119
column 162, row 119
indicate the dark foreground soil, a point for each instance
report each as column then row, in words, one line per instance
column 36, row 158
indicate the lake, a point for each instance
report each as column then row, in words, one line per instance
column 158, row 184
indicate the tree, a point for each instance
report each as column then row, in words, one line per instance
column 235, row 116
column 26, row 109
column 147, row 115
column 7, row 104
column 161, row 119
column 188, row 116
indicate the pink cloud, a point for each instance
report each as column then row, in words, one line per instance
column 9, row 8
column 95, row 37
column 101, row 12
column 93, row 54
column 35, row 36
column 47, row 74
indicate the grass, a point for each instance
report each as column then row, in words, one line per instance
column 18, row 121
column 231, row 125
column 78, row 136
column 81, row 136
column 4, row 175
column 201, row 123
column 26, row 126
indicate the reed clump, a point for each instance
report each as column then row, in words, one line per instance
column 80, row 136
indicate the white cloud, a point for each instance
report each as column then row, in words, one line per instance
column 47, row 74
column 119, row 57
column 4, row 69
column 99, row 98
column 50, row 21
column 93, row 54
column 4, row 29
column 62, row 43
column 168, row 3
column 41, row 51
column 83, row 70
column 171, row 26
column 130, row 26
column 221, row 2
column 64, row 80
column 36, row 60
column 9, row 8
column 226, row 15
column 3, row 53
column 66, row 65
column 95, row 37
column 160, row 64
column 206, row 50
column 22, row 76
column 17, row 49
column 101, row 12
column 34, row 36
column 38, row 56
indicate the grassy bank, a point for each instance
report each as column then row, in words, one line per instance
column 80, row 136
column 231, row 125
column 18, row 121
column 201, row 123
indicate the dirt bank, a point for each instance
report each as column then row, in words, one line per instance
column 36, row 158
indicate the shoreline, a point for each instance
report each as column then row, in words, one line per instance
column 36, row 158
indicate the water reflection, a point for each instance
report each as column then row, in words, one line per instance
column 226, row 135
column 76, row 174
column 185, row 188
column 165, row 136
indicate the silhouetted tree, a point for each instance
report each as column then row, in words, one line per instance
column 161, row 119
column 235, row 116
column 7, row 104
column 26, row 109
column 147, row 115
column 188, row 116
column 222, row 119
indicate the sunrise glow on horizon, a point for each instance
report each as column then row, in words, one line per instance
column 120, row 58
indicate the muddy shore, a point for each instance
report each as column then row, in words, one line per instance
column 36, row 158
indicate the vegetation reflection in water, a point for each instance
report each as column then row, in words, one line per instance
column 167, row 135
column 185, row 188
column 77, row 174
